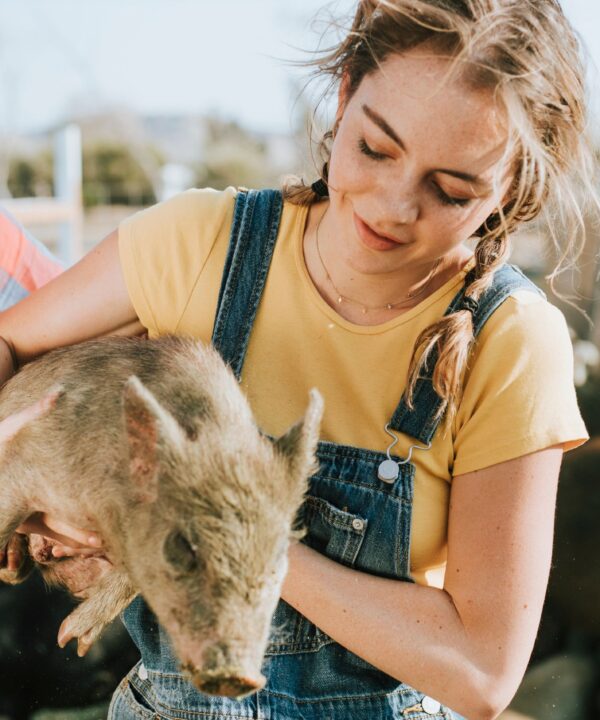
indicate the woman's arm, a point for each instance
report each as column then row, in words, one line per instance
column 88, row 300
column 467, row 645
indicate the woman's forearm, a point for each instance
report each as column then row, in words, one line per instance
column 408, row 631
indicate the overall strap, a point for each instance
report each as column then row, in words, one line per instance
column 256, row 219
column 421, row 422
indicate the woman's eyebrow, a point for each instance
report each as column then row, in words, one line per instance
column 391, row 133
column 381, row 123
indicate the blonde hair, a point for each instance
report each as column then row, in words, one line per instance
column 529, row 55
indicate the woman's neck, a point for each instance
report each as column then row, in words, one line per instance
column 376, row 297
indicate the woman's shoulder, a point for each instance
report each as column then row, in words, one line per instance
column 164, row 249
column 525, row 318
column 197, row 206
column 519, row 395
column 526, row 340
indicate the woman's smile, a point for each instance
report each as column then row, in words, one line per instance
column 373, row 240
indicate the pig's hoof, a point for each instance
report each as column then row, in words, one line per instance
column 85, row 642
column 73, row 627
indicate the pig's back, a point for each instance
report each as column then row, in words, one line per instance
column 83, row 437
column 92, row 375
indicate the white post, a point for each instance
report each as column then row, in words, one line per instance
column 67, row 188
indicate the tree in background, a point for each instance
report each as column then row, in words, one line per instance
column 233, row 156
column 31, row 176
column 113, row 176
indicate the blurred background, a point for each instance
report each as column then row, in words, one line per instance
column 107, row 106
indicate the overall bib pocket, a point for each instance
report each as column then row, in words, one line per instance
column 338, row 535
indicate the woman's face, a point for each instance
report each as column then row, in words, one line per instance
column 414, row 158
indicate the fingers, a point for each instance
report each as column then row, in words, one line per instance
column 14, row 554
column 73, row 537
column 61, row 551
column 11, row 556
column 11, row 425
column 52, row 527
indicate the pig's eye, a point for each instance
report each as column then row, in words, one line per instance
column 179, row 553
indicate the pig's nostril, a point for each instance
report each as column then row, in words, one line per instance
column 228, row 685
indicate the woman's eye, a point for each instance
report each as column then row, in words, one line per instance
column 447, row 200
column 366, row 150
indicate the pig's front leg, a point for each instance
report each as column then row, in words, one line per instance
column 111, row 595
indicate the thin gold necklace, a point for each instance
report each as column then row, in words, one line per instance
column 365, row 308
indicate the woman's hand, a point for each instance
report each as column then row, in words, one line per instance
column 73, row 541
column 70, row 541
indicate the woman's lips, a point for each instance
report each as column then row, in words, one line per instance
column 373, row 240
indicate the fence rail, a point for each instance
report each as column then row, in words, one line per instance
column 65, row 209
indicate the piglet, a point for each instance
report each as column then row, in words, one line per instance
column 152, row 443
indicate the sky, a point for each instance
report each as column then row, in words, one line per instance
column 171, row 57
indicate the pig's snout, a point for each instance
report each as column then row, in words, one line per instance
column 227, row 683
column 226, row 670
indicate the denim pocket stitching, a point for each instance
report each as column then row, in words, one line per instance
column 342, row 548
column 129, row 698
column 167, row 712
column 341, row 519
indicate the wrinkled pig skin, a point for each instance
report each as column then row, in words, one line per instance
column 153, row 444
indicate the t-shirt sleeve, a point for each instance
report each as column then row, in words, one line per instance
column 519, row 395
column 164, row 249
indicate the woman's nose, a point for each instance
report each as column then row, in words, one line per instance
column 400, row 203
column 397, row 212
column 406, row 213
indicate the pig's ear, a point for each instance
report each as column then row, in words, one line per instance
column 152, row 433
column 299, row 443
column 13, row 424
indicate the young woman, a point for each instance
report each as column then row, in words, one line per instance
column 456, row 121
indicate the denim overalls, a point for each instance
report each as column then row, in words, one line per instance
column 351, row 516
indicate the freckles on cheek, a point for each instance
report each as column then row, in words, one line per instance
column 347, row 178
column 471, row 219
column 347, row 173
column 456, row 224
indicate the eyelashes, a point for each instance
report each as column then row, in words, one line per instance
column 366, row 150
column 440, row 194
column 447, row 200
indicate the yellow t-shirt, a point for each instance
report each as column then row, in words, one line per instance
column 518, row 397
